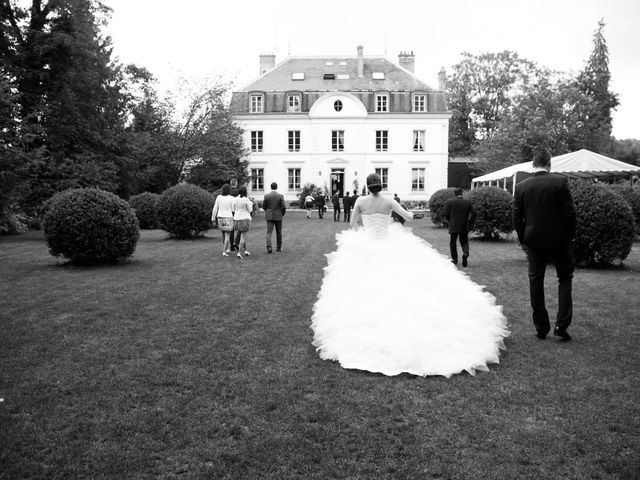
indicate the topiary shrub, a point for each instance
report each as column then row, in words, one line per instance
column 184, row 210
column 632, row 196
column 437, row 203
column 146, row 207
column 89, row 225
column 494, row 214
column 605, row 227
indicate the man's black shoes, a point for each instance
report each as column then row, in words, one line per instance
column 464, row 261
column 541, row 335
column 269, row 250
column 562, row 333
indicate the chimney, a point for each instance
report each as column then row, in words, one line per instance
column 267, row 62
column 442, row 79
column 407, row 60
column 360, row 62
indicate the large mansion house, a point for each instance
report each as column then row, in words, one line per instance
column 331, row 121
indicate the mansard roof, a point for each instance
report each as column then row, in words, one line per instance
column 280, row 78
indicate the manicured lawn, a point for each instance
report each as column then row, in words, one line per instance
column 184, row 364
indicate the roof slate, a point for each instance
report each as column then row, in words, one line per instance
column 279, row 78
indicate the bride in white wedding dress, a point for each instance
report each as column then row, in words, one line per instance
column 390, row 303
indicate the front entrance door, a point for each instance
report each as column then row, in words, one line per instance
column 337, row 181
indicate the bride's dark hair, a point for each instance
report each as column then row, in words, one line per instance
column 374, row 183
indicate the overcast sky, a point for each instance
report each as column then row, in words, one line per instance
column 207, row 37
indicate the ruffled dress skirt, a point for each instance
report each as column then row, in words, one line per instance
column 390, row 303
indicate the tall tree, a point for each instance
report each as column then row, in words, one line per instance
column 482, row 89
column 593, row 81
column 210, row 149
column 69, row 89
column 547, row 114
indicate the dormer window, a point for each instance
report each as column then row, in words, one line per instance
column 297, row 76
column 256, row 104
column 420, row 103
column 382, row 102
column 378, row 75
column 329, row 76
column 293, row 103
column 343, row 76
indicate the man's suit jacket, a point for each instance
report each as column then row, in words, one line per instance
column 274, row 206
column 346, row 202
column 543, row 212
column 335, row 199
column 459, row 214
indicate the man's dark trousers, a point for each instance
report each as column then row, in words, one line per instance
column 278, row 225
column 464, row 242
column 562, row 258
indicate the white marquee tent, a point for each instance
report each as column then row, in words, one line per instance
column 580, row 164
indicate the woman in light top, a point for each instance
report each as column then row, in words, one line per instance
column 223, row 214
column 242, row 220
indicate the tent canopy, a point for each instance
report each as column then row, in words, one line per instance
column 580, row 164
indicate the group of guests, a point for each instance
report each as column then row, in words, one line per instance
column 232, row 213
column 319, row 200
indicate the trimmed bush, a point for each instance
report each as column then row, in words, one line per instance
column 605, row 228
column 146, row 207
column 632, row 196
column 437, row 203
column 89, row 225
column 184, row 210
column 494, row 214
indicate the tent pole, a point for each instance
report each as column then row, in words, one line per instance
column 514, row 184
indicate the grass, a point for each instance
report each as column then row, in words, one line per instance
column 184, row 364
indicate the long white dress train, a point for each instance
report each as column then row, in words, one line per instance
column 390, row 303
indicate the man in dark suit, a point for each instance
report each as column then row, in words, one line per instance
column 335, row 200
column 320, row 204
column 274, row 209
column 354, row 197
column 545, row 220
column 346, row 204
column 460, row 215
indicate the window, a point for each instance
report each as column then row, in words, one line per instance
column 329, row 76
column 256, row 104
column 417, row 179
column 378, row 75
column 418, row 140
column 382, row 103
column 382, row 140
column 337, row 140
column 297, row 76
column 257, row 179
column 384, row 175
column 337, row 105
column 419, row 103
column 256, row 140
column 293, row 103
column 343, row 76
column 294, row 179
column 294, row 140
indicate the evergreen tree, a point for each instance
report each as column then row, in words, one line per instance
column 69, row 94
column 593, row 81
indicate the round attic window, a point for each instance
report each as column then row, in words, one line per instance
column 337, row 105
